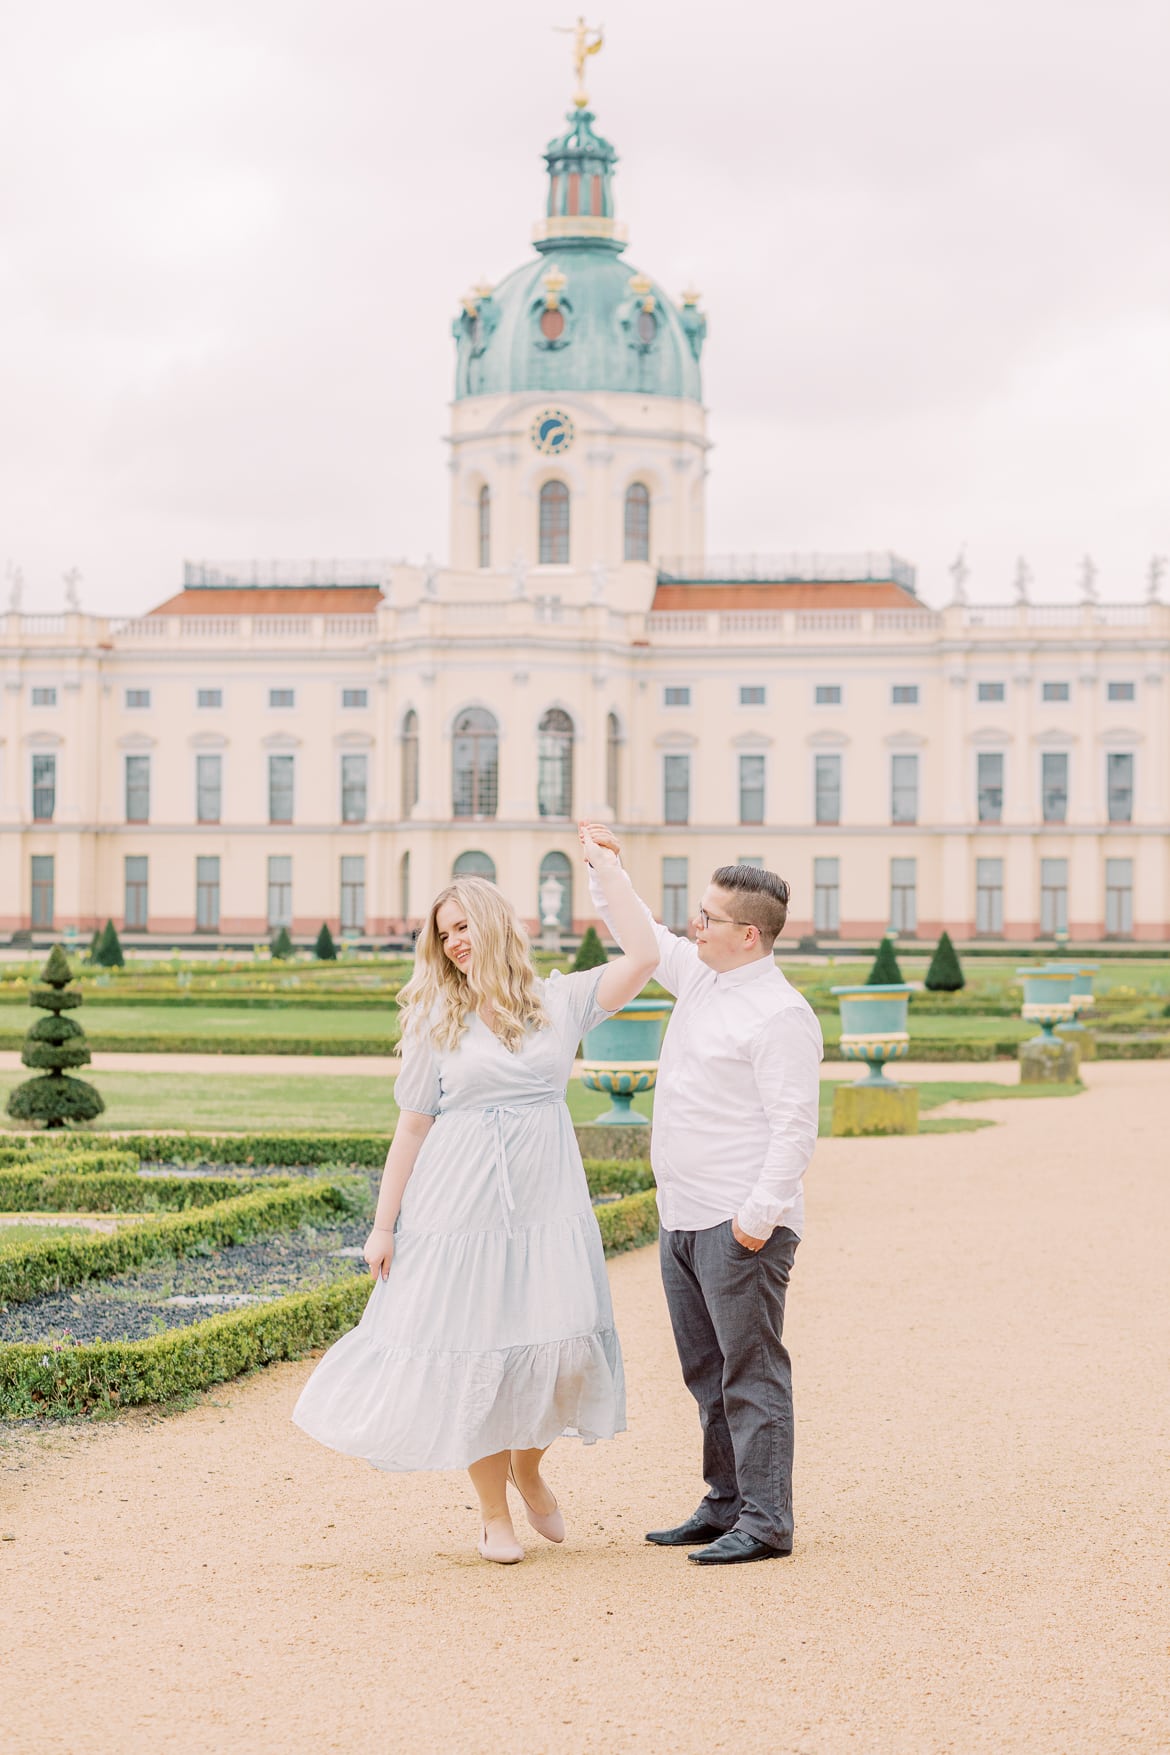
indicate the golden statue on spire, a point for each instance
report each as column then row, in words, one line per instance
column 587, row 40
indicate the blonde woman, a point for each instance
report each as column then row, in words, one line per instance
column 489, row 1331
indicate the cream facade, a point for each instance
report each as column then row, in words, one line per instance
column 297, row 747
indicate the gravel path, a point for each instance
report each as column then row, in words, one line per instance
column 980, row 1331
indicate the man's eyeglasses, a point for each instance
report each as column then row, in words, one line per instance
column 720, row 920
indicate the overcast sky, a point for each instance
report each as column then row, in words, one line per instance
column 932, row 241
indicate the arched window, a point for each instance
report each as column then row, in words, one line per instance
column 637, row 544
column 554, row 524
column 485, row 526
column 409, row 762
column 475, row 865
column 475, row 774
column 404, row 891
column 613, row 744
column 555, row 869
column 554, row 765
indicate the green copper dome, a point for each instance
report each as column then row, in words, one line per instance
column 578, row 317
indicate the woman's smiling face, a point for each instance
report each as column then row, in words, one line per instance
column 454, row 934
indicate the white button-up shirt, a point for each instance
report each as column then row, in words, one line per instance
column 738, row 1093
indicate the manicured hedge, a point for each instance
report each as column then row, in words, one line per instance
column 107, row 1162
column 1131, row 1048
column 630, row 1223
column 618, row 1175
column 165, row 1044
column 50, row 1191
column 37, row 1378
column 281, row 1150
column 69, row 1260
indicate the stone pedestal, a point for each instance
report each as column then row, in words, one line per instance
column 874, row 1109
column 1049, row 1062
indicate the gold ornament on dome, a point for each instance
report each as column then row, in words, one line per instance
column 582, row 49
column 691, row 296
column 642, row 288
column 554, row 284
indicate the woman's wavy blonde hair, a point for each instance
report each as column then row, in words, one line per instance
column 501, row 971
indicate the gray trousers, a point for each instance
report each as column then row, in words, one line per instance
column 727, row 1310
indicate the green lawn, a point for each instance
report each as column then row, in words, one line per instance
column 263, row 1102
column 108, row 1022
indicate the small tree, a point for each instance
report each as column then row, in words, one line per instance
column 945, row 974
column 95, row 941
column 325, row 949
column 885, row 971
column 282, row 944
column 109, row 948
column 591, row 953
column 52, row 1044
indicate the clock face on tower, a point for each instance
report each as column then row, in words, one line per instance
column 552, row 432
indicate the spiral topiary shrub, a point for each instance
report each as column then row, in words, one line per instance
column 51, row 1045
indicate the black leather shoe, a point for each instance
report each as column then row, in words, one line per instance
column 693, row 1533
column 734, row 1548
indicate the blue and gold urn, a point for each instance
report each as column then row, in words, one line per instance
column 620, row 1057
column 875, row 1026
column 1048, row 997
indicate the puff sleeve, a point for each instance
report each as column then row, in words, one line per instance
column 418, row 1086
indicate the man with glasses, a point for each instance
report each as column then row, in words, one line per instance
column 735, row 1123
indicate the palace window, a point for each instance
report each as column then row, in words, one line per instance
column 44, row 697
column 554, row 524
column 989, row 898
column 827, row 788
column 827, row 896
column 1054, row 786
column 904, row 788
column 1120, row 691
column 42, row 890
column 554, row 765
column 1053, row 896
column 484, row 528
column 989, row 786
column 409, row 762
column 1119, row 786
column 137, row 789
column 751, row 788
column 134, row 892
column 208, row 788
column 989, row 691
column 1119, row 898
column 676, row 789
column 282, row 697
column 137, row 698
column 904, row 895
column 44, row 786
column 353, row 892
column 209, row 697
column 207, row 893
column 475, row 764
column 827, row 695
column 752, row 695
column 355, row 697
column 674, row 893
column 904, row 695
column 280, row 789
column 676, row 696
column 354, row 773
column 280, row 909
column 613, row 744
column 475, row 864
column 556, row 866
column 637, row 527
column 1054, row 691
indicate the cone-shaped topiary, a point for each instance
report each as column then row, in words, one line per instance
column 325, row 949
column 52, row 1044
column 885, row 971
column 95, row 941
column 591, row 953
column 945, row 974
column 282, row 944
column 109, row 948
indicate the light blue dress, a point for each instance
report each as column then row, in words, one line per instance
column 494, row 1329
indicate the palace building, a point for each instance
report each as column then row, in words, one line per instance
column 286, row 745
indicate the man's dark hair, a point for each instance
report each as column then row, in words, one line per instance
column 761, row 898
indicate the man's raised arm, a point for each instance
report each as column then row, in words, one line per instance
column 678, row 959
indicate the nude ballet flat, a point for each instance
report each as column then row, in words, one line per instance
column 550, row 1525
column 499, row 1549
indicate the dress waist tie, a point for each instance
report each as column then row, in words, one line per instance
column 494, row 1118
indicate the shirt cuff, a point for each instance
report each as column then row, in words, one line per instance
column 755, row 1220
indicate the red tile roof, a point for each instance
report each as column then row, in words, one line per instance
column 274, row 600
column 865, row 594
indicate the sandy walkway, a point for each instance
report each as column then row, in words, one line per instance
column 980, row 1330
column 998, row 1072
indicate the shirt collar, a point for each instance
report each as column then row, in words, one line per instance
column 746, row 972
